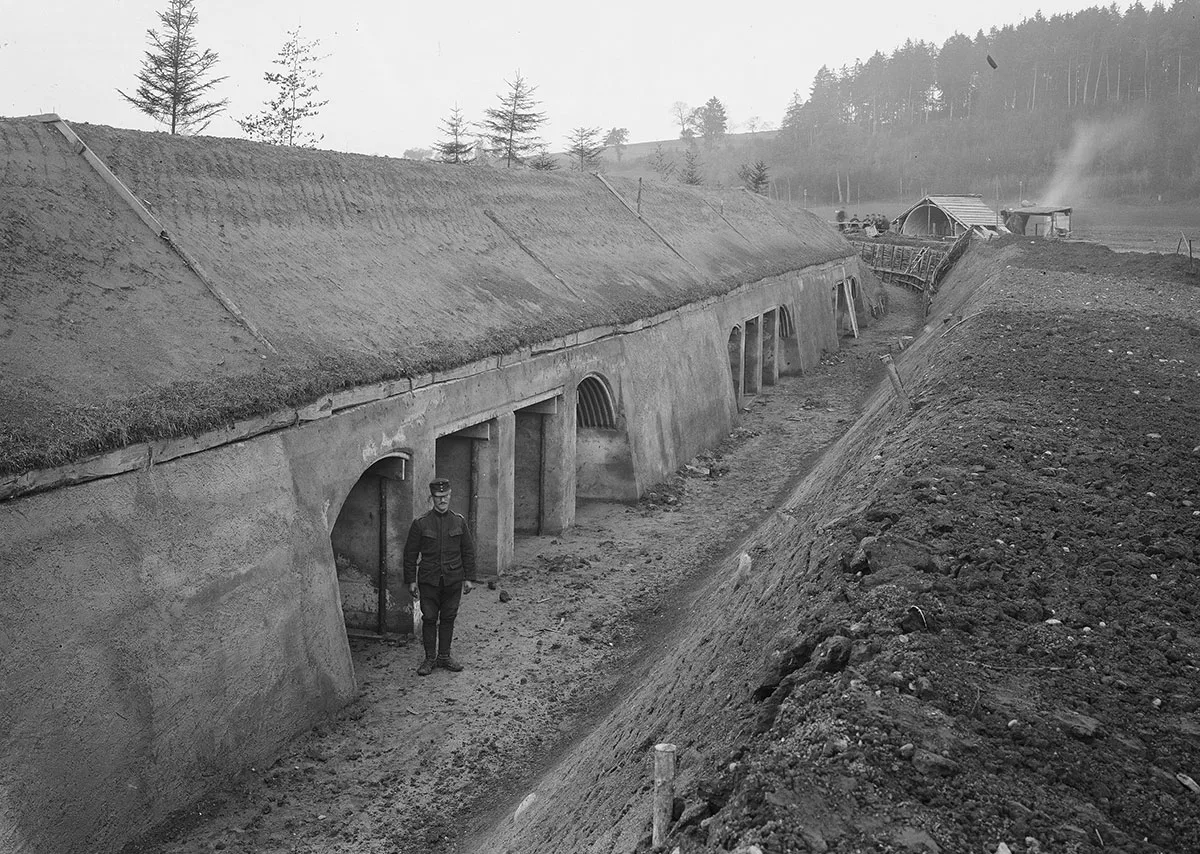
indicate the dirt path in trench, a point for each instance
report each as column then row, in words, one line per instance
column 421, row 764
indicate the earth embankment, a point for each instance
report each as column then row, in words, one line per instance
column 974, row 623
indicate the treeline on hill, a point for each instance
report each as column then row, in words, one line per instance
column 1116, row 94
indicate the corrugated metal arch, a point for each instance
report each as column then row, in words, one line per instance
column 594, row 406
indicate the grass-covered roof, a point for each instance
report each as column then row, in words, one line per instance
column 356, row 269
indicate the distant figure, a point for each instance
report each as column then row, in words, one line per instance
column 439, row 566
column 840, row 216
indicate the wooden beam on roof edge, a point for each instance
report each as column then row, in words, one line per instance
column 646, row 223
column 146, row 454
column 492, row 216
column 153, row 224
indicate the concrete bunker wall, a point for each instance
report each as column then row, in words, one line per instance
column 166, row 627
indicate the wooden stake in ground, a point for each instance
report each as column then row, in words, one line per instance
column 894, row 376
column 848, row 289
column 664, row 791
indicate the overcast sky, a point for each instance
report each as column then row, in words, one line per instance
column 395, row 69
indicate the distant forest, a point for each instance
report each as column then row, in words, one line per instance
column 1095, row 103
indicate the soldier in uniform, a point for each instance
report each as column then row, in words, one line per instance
column 439, row 566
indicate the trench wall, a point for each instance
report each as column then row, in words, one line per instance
column 165, row 628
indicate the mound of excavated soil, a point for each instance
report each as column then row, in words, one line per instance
column 998, row 642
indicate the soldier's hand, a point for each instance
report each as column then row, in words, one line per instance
column 412, row 589
column 468, row 587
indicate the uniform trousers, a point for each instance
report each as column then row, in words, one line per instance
column 439, row 607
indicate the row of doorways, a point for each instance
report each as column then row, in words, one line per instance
column 369, row 535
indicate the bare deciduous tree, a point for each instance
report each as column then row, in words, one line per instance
column 283, row 120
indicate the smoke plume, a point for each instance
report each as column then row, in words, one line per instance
column 1075, row 168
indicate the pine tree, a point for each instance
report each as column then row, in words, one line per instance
column 754, row 176
column 172, row 85
column 584, row 148
column 662, row 163
column 713, row 122
column 543, row 161
column 512, row 127
column 282, row 122
column 455, row 148
column 690, row 173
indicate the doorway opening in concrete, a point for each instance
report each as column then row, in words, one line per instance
column 368, row 550
column 470, row 459
column 790, row 361
column 533, row 451
column 847, row 298
column 770, row 347
column 735, row 363
column 752, row 382
column 603, row 461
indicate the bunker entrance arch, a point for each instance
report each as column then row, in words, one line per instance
column 368, row 550
column 603, row 461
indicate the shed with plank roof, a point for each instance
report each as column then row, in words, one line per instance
column 950, row 216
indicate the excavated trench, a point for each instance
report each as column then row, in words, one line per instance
column 967, row 625
column 971, row 625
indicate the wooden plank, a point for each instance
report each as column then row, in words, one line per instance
column 369, row 394
column 141, row 455
column 152, row 222
column 646, row 223
column 322, row 408
column 223, row 298
column 124, row 460
column 164, row 450
column 107, row 175
column 528, row 251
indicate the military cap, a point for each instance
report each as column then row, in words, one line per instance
column 439, row 486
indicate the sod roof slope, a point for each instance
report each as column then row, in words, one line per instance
column 93, row 306
column 328, row 249
column 356, row 269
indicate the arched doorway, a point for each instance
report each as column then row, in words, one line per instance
column 368, row 550
column 603, row 462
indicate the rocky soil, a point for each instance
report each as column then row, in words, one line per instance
column 999, row 647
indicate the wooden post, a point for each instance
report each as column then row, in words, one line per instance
column 849, row 291
column 894, row 376
column 664, row 791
